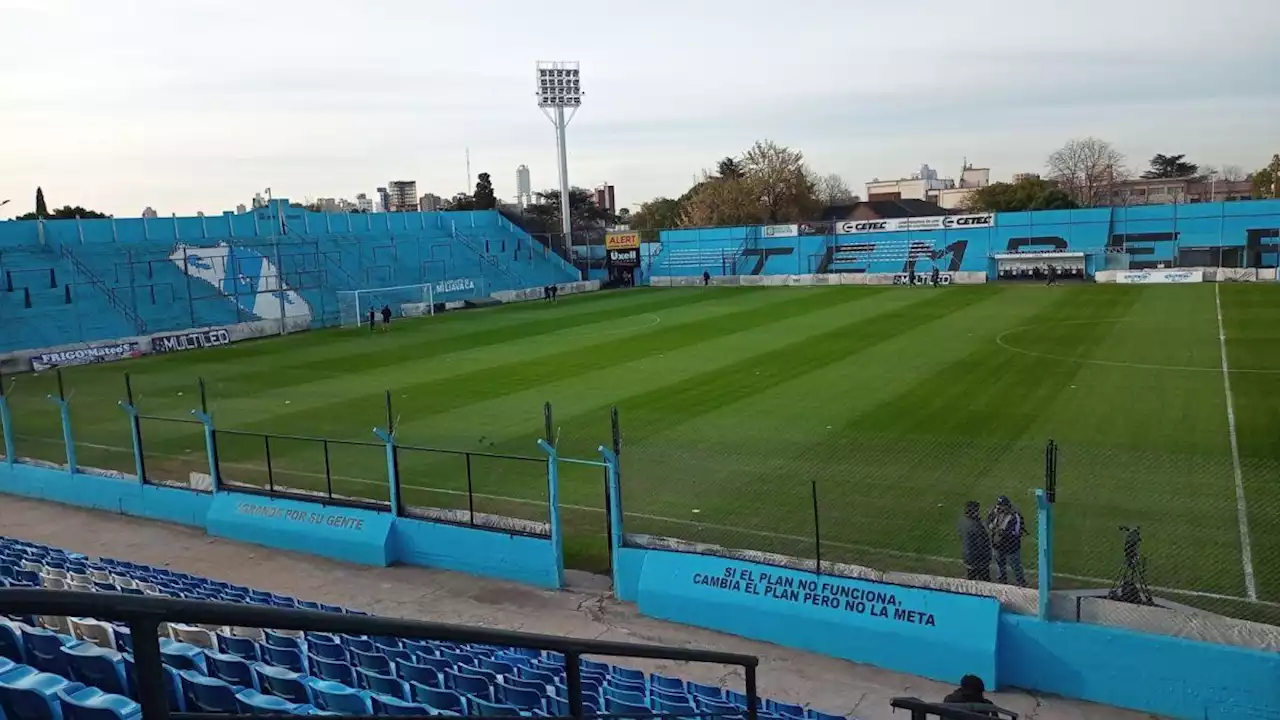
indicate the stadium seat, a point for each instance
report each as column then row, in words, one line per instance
column 384, row 684
column 242, row 647
column 439, row 699
column 230, row 669
column 626, row 696
column 705, row 691
column 385, row 705
column 784, row 709
column 339, row 698
column 181, row 656
column 93, row 704
column 290, row 658
column 192, row 635
column 683, row 709
column 717, row 707
column 414, row 672
column 28, row 694
column 374, row 661
column 207, row 694
column 44, row 649
column 287, row 684
column 522, row 698
column 252, row 701
column 335, row 670
column 11, row 644
column 96, row 667
column 484, row 708
column 469, row 684
column 326, row 648
column 94, row 631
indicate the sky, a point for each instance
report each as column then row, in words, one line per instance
column 195, row 105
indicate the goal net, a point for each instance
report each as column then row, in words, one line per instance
column 404, row 301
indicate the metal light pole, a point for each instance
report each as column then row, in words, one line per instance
column 559, row 87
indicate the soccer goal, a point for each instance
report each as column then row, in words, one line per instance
column 404, row 301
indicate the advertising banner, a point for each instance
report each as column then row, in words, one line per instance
column 922, row 278
column 625, row 258
column 622, row 241
column 1154, row 277
column 109, row 352
column 194, row 340
column 815, row 228
column 445, row 287
column 931, row 222
column 780, row 231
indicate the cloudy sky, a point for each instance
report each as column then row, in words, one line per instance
column 196, row 104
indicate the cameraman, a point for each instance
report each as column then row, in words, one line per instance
column 1007, row 528
column 975, row 544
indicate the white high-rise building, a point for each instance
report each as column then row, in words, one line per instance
column 364, row 203
column 259, row 201
column 524, row 187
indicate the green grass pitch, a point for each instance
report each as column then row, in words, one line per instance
column 896, row 404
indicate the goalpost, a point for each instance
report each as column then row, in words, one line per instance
column 405, row 301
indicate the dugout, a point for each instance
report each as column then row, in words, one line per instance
column 1034, row 266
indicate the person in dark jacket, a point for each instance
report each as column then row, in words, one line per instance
column 1007, row 529
column 373, row 319
column 975, row 543
column 706, row 278
column 971, row 691
column 386, row 317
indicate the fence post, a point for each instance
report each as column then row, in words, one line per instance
column 6, row 425
column 553, row 509
column 1045, row 500
column 393, row 469
column 616, row 531
column 135, row 428
column 64, row 409
column 817, row 531
column 211, row 448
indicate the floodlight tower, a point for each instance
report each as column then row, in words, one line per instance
column 559, row 88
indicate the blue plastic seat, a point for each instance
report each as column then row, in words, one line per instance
column 717, row 707
column 683, row 709
column 439, row 664
column 28, row 694
column 182, row 656
column 705, row 691
column 11, row 644
column 256, row 703
column 206, row 694
column 289, row 658
column 784, row 709
column 357, row 642
column 439, row 699
column 278, row 681
column 614, row 706
column 385, row 705
column 242, row 647
column 630, row 675
column 457, row 658
column 627, row 696
column 93, row 704
column 326, row 648
column 530, row 685
column 413, row 672
column 484, row 708
column 172, row 685
column 677, row 698
column 542, row 676
column 375, row 661
column 593, row 666
column 522, row 698
column 44, row 650
column 335, row 670
column 469, row 684
column 230, row 669
column 384, row 684
column 281, row 640
column 124, row 638
column 97, row 667
column 497, row 666
column 339, row 698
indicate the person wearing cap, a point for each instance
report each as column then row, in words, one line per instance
column 1007, row 528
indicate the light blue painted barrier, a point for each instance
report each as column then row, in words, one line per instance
column 507, row 556
column 935, row 634
column 350, row 534
column 125, row 496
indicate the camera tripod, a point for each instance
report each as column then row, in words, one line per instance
column 1131, row 582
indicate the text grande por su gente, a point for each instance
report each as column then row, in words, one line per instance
column 300, row 516
column 816, row 592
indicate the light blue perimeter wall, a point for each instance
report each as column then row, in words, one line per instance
column 365, row 537
column 936, row 634
column 945, row 636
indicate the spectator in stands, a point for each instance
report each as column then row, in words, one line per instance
column 975, row 543
column 706, row 278
column 1007, row 529
column 386, row 317
column 971, row 691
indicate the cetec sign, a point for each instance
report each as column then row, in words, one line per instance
column 931, row 222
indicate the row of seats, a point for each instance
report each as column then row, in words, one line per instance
column 216, row 669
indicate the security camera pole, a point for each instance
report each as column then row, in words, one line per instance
column 559, row 87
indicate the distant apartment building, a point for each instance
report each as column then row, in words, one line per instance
column 430, row 202
column 241, row 209
column 364, row 203
column 401, row 196
column 149, row 212
column 329, row 205
column 926, row 185
column 1170, row 191
column 259, row 201
column 524, row 187
column 1019, row 177
column 604, row 198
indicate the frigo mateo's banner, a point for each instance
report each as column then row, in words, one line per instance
column 931, row 222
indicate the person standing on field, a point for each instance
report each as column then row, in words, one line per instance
column 1007, row 528
column 706, row 278
column 373, row 319
column 975, row 543
column 386, row 317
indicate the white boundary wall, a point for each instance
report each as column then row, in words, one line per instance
column 1185, row 275
column 811, row 280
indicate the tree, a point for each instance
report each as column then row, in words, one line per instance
column 831, row 189
column 461, row 201
column 729, row 168
column 782, row 179
column 66, row 212
column 484, row 199
column 1266, row 182
column 722, row 201
column 659, row 213
column 624, row 216
column 584, row 213
column 1232, row 173
column 1086, row 169
column 1170, row 166
column 1030, row 193
column 42, row 210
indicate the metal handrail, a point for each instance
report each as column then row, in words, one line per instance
column 144, row 613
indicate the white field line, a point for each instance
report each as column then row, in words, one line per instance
column 1242, row 512
column 712, row 526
